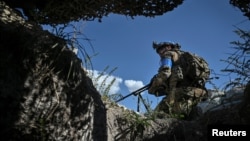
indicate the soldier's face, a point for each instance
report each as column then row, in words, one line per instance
column 162, row 50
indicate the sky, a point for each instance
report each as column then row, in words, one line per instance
column 203, row 27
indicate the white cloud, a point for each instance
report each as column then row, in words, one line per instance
column 133, row 85
column 102, row 81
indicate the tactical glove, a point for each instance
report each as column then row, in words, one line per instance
column 158, row 85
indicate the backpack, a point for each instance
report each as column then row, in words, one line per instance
column 195, row 69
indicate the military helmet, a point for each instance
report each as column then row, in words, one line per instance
column 162, row 44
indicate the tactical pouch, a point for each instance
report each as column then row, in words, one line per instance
column 177, row 72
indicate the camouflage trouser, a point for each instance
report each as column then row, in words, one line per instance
column 185, row 100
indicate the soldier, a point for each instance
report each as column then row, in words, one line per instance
column 180, row 78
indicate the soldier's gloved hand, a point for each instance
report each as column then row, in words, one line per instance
column 155, row 83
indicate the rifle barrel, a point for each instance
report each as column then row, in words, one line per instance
column 135, row 92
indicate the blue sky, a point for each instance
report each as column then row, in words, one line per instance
column 204, row 27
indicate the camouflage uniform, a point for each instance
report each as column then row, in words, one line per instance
column 181, row 95
column 185, row 99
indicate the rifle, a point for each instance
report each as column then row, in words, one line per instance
column 135, row 93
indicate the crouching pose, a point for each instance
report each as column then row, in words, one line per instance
column 181, row 78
